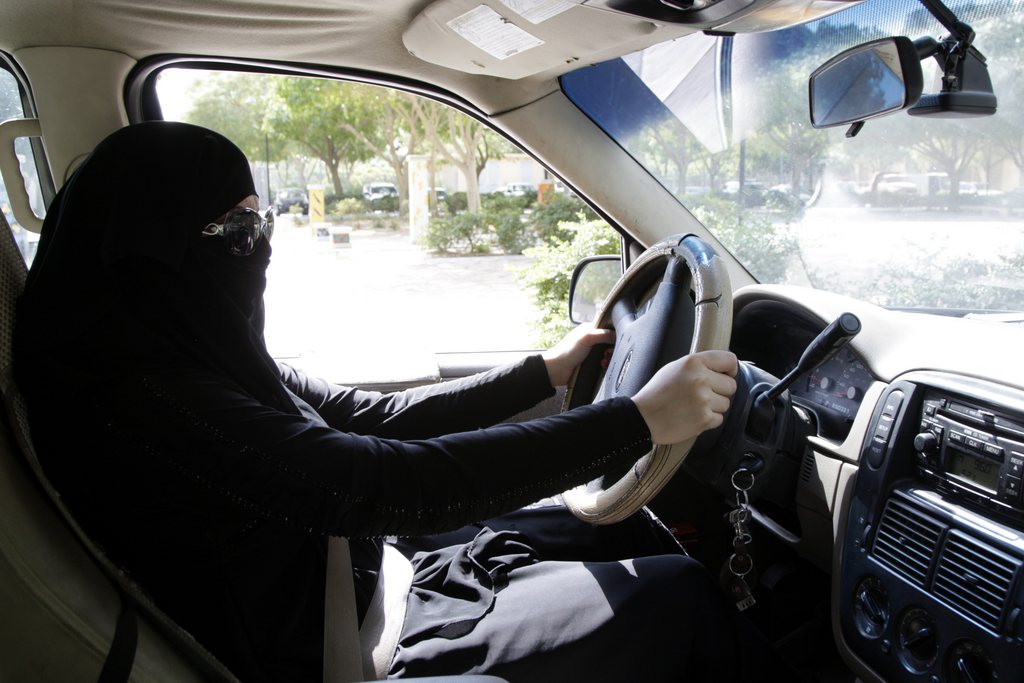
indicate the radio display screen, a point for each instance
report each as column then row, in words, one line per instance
column 974, row 469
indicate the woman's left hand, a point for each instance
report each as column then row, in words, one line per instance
column 562, row 358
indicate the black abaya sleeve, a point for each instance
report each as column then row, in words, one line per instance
column 297, row 469
column 428, row 411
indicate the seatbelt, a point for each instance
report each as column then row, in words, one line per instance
column 117, row 667
column 343, row 658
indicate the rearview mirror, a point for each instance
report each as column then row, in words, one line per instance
column 592, row 281
column 864, row 82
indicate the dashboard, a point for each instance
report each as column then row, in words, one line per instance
column 910, row 487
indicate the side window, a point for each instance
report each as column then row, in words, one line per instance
column 405, row 228
column 12, row 107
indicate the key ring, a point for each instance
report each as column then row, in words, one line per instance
column 744, row 558
column 739, row 488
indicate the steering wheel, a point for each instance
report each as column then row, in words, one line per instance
column 675, row 299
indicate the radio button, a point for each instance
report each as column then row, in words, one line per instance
column 993, row 449
column 956, row 437
column 973, row 443
column 883, row 428
column 875, row 452
column 893, row 403
column 1013, row 485
column 1015, row 466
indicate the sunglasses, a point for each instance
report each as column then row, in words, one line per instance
column 242, row 229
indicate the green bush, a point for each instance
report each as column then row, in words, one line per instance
column 349, row 206
column 551, row 268
column 456, row 202
column 511, row 233
column 382, row 222
column 464, row 232
column 474, row 233
column 930, row 278
column 389, row 203
column 765, row 247
column 497, row 202
column 546, row 218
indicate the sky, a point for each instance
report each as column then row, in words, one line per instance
column 172, row 87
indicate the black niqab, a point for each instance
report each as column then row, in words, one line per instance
column 124, row 279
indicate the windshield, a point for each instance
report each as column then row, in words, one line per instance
column 912, row 212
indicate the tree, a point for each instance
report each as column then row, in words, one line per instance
column 788, row 128
column 990, row 155
column 297, row 168
column 462, row 141
column 236, row 106
column 951, row 148
column 320, row 115
column 1005, row 61
column 669, row 148
column 715, row 165
column 391, row 133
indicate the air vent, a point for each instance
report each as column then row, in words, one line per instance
column 907, row 540
column 808, row 467
column 975, row 578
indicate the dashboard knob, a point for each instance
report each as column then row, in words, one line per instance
column 918, row 643
column 967, row 662
column 926, row 442
column 972, row 669
column 871, row 607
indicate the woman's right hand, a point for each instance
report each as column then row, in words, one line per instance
column 688, row 396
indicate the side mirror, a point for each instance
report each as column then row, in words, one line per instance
column 864, row 82
column 592, row 281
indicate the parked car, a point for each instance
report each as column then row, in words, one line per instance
column 894, row 189
column 379, row 190
column 289, row 197
column 878, row 495
column 753, row 193
column 520, row 190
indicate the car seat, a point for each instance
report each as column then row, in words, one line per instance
column 69, row 613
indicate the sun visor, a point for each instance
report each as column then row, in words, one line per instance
column 729, row 16
column 519, row 38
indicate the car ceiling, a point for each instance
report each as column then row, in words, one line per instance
column 346, row 34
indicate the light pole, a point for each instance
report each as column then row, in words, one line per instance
column 266, row 149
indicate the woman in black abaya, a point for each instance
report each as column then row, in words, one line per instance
column 215, row 476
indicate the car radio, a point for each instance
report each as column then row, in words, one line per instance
column 971, row 452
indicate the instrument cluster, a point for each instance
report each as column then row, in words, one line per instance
column 834, row 391
column 772, row 336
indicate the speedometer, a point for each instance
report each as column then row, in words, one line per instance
column 839, row 384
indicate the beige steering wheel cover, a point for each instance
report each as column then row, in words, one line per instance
column 712, row 330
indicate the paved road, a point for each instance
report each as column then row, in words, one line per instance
column 383, row 307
